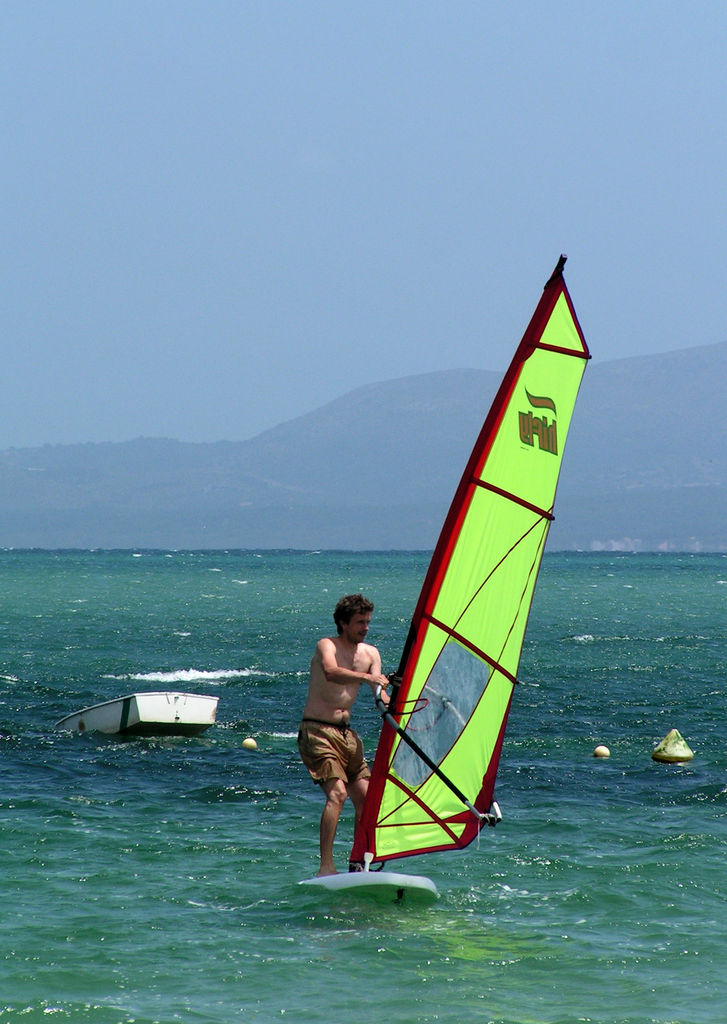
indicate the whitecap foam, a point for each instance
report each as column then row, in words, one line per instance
column 188, row 675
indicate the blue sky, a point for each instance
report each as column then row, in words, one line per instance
column 220, row 215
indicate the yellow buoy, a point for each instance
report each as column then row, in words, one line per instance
column 249, row 743
column 601, row 751
column 672, row 749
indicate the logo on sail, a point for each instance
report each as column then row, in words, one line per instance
column 534, row 426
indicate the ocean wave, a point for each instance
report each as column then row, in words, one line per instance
column 189, row 675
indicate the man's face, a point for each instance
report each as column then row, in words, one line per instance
column 355, row 631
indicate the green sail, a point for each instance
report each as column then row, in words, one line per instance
column 433, row 776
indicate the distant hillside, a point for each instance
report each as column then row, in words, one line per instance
column 645, row 468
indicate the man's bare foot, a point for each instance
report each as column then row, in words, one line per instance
column 326, row 870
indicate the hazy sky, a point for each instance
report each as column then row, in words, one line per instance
column 219, row 215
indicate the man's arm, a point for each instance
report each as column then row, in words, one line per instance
column 336, row 673
column 375, row 675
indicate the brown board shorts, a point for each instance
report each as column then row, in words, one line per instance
column 331, row 752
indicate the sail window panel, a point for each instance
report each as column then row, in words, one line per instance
column 525, row 457
column 456, row 724
column 448, row 699
column 467, row 762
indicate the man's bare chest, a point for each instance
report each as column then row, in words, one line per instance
column 358, row 660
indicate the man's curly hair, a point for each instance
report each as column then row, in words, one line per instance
column 348, row 606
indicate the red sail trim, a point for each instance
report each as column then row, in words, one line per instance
column 460, row 844
column 563, row 351
column 541, row 512
column 487, row 790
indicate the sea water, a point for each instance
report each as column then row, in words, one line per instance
column 155, row 880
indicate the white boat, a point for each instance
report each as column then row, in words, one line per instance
column 146, row 714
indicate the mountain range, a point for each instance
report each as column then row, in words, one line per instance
column 644, row 469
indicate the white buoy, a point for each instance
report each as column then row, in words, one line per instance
column 249, row 743
column 672, row 749
column 601, row 751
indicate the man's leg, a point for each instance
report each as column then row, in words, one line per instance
column 357, row 791
column 335, row 790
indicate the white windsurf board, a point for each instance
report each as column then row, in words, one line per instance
column 386, row 884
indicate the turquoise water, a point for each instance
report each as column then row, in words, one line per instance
column 154, row 880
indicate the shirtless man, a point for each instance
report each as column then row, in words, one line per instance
column 331, row 751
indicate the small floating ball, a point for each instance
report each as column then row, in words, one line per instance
column 601, row 751
column 249, row 743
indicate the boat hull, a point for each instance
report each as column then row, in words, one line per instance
column 146, row 714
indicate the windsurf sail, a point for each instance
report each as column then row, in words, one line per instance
column 433, row 777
